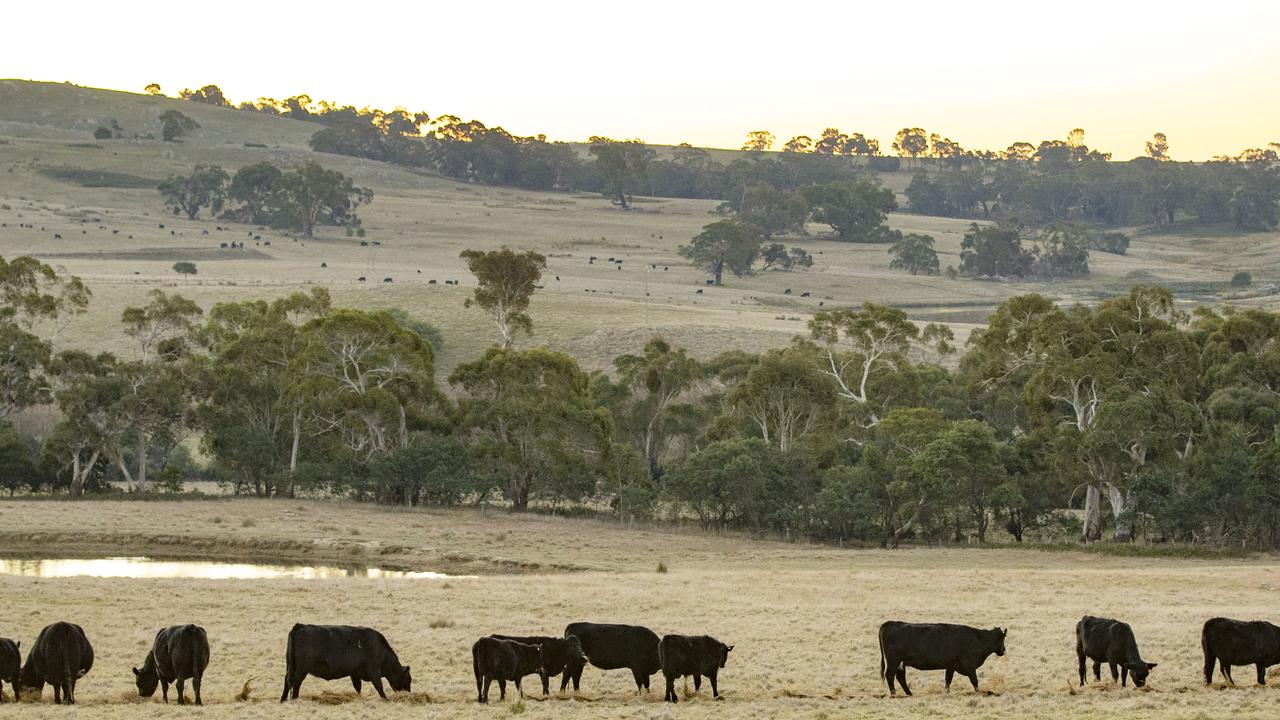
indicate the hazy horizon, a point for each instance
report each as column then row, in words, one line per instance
column 708, row 75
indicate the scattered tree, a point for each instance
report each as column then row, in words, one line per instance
column 205, row 187
column 505, row 281
column 724, row 245
column 915, row 254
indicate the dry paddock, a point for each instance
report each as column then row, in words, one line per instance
column 802, row 618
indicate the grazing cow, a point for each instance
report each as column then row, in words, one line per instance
column 695, row 655
column 698, row 291
column 935, row 646
column 204, row 232
column 711, row 282
column 804, row 294
column 257, row 237
column 387, row 280
column 557, row 278
column 1229, row 642
column 336, row 651
column 324, row 264
column 178, row 653
column 360, row 279
column 787, row 291
column 115, row 232
column 364, row 243
column 558, row 655
column 56, row 236
column 10, row 666
column 266, row 243
column 222, row 245
column 60, row 656
column 161, row 226
column 613, row 647
column 431, row 282
column 1110, row 641
column 502, row 660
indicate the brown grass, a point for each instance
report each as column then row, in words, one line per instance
column 802, row 618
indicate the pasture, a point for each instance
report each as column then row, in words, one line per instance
column 803, row 618
column 418, row 223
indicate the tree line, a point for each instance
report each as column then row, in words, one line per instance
column 1149, row 422
column 1055, row 180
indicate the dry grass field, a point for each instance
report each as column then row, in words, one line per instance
column 803, row 618
column 422, row 222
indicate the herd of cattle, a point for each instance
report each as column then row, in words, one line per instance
column 62, row 655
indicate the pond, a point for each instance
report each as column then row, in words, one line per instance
column 144, row 567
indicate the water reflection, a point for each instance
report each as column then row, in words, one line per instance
column 142, row 567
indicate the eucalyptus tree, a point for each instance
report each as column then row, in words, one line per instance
column 34, row 299
column 505, row 282
column 652, row 401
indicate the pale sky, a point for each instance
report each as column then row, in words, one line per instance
column 983, row 73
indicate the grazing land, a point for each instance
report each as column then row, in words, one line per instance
column 54, row 176
column 803, row 618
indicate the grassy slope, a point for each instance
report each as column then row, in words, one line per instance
column 423, row 222
column 803, row 618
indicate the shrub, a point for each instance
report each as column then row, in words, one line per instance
column 1241, row 279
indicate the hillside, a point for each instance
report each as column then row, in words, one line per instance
column 111, row 237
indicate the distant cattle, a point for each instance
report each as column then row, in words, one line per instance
column 1110, row 641
column 10, row 664
column 613, row 647
column 204, row 232
column 324, row 264
column 364, row 243
column 698, row 291
column 1229, row 642
column 222, row 245
column 935, row 646
column 387, row 280
column 787, row 291
column 60, row 656
column 115, row 232
column 431, row 282
column 330, row 652
column 266, row 243
column 804, row 294
column 683, row 655
column 56, row 236
column 360, row 279
column 502, row 660
column 559, row 655
column 557, row 278
column 179, row 653
column 161, row 226
column 257, row 237
column 711, row 282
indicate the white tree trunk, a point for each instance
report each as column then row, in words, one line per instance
column 142, row 462
column 1119, row 503
column 1092, row 530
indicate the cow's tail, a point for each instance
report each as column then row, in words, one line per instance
column 475, row 667
column 196, row 650
column 289, row 662
column 880, row 638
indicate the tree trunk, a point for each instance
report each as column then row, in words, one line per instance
column 1092, row 530
column 1119, row 504
column 901, row 532
column 142, row 462
column 293, row 450
column 520, row 492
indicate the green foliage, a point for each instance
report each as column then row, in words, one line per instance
column 855, row 210
column 995, row 251
column 184, row 268
column 174, row 125
column 206, row 187
column 254, row 187
column 623, row 164
column 915, row 254
column 209, row 95
column 724, row 245
column 1241, row 279
column 309, row 195
column 505, row 281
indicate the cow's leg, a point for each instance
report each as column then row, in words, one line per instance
column 357, row 683
column 670, row 695
column 950, row 674
column 195, row 687
column 1097, row 670
column 642, row 682
column 577, row 678
column 297, row 686
column 1080, row 655
column 1262, row 674
column 182, row 685
column 1115, row 674
column 715, row 691
column 1124, row 676
column 502, row 688
column 164, row 690
column 488, row 683
column 564, row 680
column 697, row 682
column 902, row 678
column 973, row 679
column 546, row 683
column 1226, row 672
column 519, row 690
column 57, row 693
column 1209, row 662
column 377, row 685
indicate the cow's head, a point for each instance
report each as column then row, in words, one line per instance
column 1139, row 671
column 146, row 680
column 999, row 634
column 401, row 681
column 573, row 649
column 724, row 653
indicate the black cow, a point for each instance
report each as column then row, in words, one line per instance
column 502, row 660
column 1110, row 641
column 612, row 647
column 178, row 653
column 336, row 651
column 60, row 656
column 10, row 666
column 935, row 646
column 1239, row 642
column 559, row 655
column 695, row 655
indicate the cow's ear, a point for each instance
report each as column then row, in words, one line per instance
column 136, row 673
column 1004, row 632
column 728, row 648
column 406, row 668
column 1151, row 665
